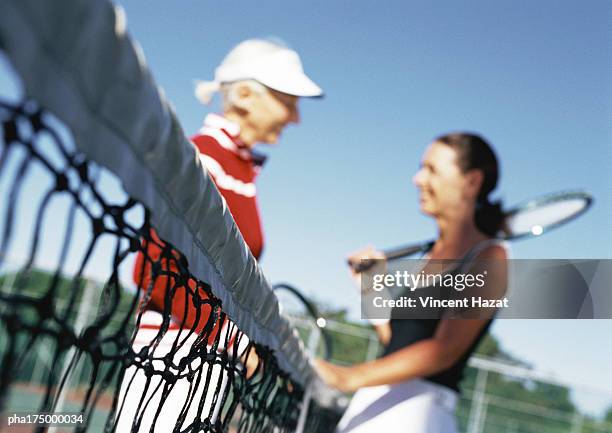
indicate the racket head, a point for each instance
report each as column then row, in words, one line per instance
column 529, row 219
column 305, row 318
column 540, row 215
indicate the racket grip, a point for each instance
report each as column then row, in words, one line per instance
column 392, row 254
column 401, row 252
column 362, row 265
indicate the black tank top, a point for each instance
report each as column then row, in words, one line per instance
column 405, row 332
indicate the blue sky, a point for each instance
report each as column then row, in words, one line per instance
column 532, row 77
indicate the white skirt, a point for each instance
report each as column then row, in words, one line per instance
column 414, row 406
column 142, row 400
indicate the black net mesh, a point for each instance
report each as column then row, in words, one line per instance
column 144, row 346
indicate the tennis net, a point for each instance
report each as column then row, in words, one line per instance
column 95, row 170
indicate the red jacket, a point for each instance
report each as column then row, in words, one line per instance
column 233, row 169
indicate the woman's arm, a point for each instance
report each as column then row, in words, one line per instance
column 381, row 326
column 452, row 339
column 383, row 330
column 424, row 358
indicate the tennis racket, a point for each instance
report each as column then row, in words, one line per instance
column 529, row 219
column 305, row 317
column 311, row 326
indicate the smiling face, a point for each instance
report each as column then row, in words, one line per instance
column 270, row 112
column 442, row 185
column 262, row 113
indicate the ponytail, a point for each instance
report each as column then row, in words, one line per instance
column 489, row 217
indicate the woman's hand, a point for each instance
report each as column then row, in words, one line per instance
column 368, row 253
column 342, row 378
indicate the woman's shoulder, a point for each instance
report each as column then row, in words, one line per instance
column 495, row 250
column 489, row 249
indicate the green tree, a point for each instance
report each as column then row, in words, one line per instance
column 43, row 301
column 489, row 347
column 608, row 415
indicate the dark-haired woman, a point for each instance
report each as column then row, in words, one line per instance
column 413, row 387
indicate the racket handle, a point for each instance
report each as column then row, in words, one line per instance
column 392, row 254
column 361, row 266
column 401, row 252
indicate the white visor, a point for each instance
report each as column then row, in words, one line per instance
column 268, row 62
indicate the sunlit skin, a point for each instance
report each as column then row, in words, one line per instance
column 262, row 116
column 442, row 186
column 448, row 195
